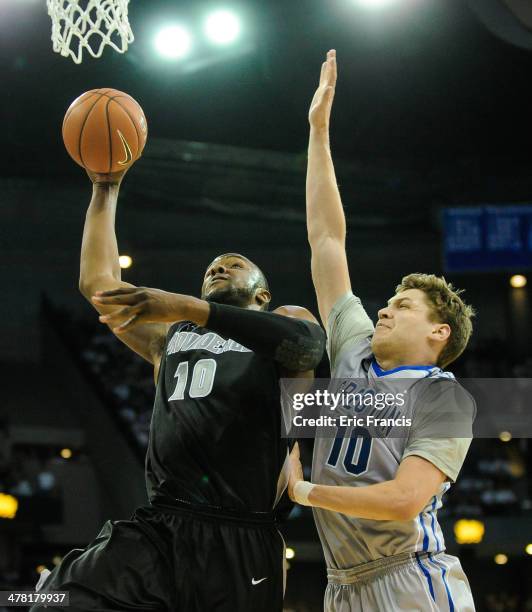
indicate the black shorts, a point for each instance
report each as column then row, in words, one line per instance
column 173, row 560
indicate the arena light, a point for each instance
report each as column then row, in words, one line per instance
column 173, row 42
column 505, row 436
column 375, row 4
column 8, row 506
column 469, row 531
column 501, row 559
column 290, row 553
column 528, row 549
column 222, row 27
column 66, row 453
column 518, row 281
column 125, row 261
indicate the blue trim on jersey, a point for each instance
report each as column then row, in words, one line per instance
column 426, row 536
column 380, row 372
column 443, row 572
column 427, row 576
column 432, row 524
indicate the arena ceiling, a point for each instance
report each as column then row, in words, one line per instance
column 422, row 83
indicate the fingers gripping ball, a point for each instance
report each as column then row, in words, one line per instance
column 105, row 130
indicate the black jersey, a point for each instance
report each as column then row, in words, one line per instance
column 215, row 436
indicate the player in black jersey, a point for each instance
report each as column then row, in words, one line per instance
column 216, row 463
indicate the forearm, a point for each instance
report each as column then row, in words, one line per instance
column 325, row 215
column 295, row 344
column 385, row 501
column 99, row 249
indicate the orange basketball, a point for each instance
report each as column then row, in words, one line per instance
column 105, row 130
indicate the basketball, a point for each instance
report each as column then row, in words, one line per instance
column 105, row 130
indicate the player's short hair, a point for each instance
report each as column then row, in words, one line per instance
column 447, row 307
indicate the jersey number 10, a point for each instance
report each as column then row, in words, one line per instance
column 201, row 381
column 358, row 451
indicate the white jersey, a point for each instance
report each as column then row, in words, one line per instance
column 365, row 460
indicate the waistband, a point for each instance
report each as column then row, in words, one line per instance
column 372, row 569
column 181, row 507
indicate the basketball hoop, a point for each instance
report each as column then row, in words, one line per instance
column 89, row 25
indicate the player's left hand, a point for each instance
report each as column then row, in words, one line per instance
column 295, row 470
column 320, row 108
column 141, row 305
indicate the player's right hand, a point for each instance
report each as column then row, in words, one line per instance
column 295, row 471
column 321, row 105
column 145, row 305
column 106, row 178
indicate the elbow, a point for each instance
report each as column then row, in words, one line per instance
column 315, row 235
column 407, row 506
column 305, row 361
column 407, row 512
column 304, row 351
column 88, row 285
column 84, row 287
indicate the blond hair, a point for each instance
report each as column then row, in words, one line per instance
column 446, row 306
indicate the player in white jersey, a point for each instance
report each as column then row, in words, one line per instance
column 375, row 499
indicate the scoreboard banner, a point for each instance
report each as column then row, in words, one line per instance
column 487, row 238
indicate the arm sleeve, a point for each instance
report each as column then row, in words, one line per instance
column 442, row 427
column 295, row 344
column 348, row 324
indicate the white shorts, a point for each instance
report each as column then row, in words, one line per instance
column 408, row 582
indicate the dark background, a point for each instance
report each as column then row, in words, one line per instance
column 432, row 110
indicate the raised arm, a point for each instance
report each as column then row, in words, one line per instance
column 325, row 215
column 100, row 268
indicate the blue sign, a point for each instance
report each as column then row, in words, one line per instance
column 488, row 238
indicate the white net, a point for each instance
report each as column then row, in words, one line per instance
column 89, row 25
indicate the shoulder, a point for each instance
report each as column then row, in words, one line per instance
column 445, row 403
column 296, row 312
column 446, row 386
column 347, row 324
column 356, row 357
column 349, row 309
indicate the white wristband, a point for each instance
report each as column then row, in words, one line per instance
column 302, row 490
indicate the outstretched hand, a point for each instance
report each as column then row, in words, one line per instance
column 141, row 305
column 321, row 105
column 295, row 470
